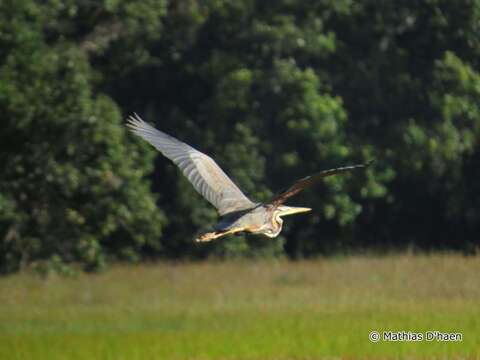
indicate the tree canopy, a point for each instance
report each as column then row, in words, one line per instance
column 273, row 91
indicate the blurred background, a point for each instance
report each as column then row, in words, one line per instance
column 272, row 90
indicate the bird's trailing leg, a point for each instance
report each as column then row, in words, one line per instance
column 216, row 234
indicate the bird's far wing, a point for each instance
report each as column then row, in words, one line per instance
column 201, row 170
column 310, row 180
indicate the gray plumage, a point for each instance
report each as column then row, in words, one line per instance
column 242, row 215
column 200, row 169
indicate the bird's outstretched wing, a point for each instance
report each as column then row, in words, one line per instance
column 310, row 180
column 201, row 170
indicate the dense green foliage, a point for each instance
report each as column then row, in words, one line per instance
column 72, row 186
column 272, row 90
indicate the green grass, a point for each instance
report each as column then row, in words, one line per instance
column 245, row 310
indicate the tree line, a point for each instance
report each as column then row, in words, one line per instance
column 273, row 91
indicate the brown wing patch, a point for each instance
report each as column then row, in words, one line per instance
column 310, row 180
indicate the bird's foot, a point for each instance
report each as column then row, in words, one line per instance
column 207, row 237
column 216, row 234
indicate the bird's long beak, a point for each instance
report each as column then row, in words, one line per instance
column 290, row 210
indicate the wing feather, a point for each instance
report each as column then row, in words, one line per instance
column 310, row 180
column 200, row 169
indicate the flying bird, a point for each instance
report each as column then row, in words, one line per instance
column 238, row 213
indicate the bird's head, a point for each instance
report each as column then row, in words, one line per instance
column 277, row 221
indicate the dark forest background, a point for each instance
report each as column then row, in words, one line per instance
column 272, row 90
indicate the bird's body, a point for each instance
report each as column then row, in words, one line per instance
column 239, row 214
column 262, row 219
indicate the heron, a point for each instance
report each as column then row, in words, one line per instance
column 238, row 213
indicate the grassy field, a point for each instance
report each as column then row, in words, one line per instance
column 246, row 310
